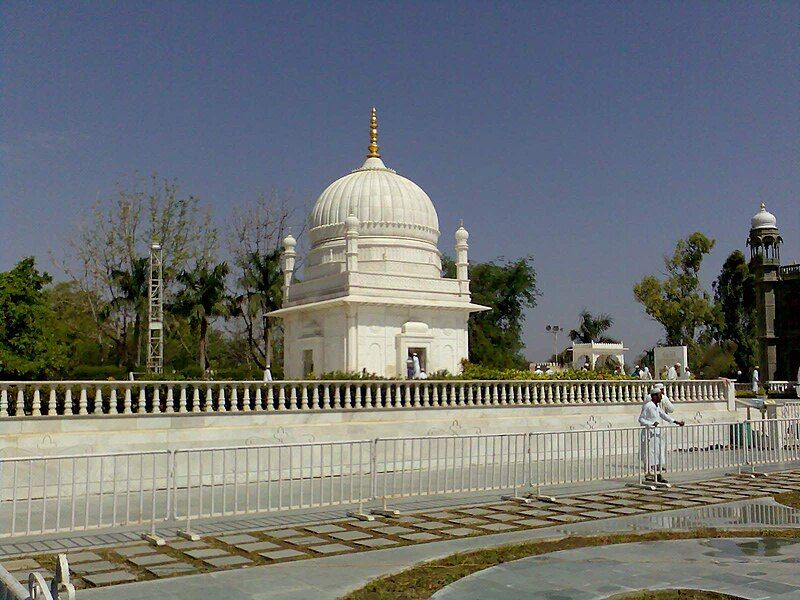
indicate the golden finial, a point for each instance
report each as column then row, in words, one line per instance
column 373, row 135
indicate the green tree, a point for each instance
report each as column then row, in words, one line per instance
column 508, row 288
column 255, row 240
column 679, row 303
column 27, row 349
column 734, row 303
column 131, row 290
column 592, row 329
column 202, row 298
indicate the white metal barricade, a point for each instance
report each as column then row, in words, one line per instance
column 425, row 466
column 213, row 482
column 580, row 456
column 49, row 494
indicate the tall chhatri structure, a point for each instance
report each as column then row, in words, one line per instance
column 372, row 294
column 777, row 300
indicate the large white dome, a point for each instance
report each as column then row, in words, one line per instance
column 385, row 203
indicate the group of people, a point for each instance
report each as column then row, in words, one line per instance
column 673, row 373
column 414, row 368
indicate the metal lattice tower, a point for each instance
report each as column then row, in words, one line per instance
column 155, row 331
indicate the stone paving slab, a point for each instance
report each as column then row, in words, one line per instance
column 170, row 569
column 376, row 543
column 421, row 536
column 110, row 577
column 134, row 550
column 393, row 530
column 461, row 531
column 188, row 545
column 20, row 564
column 151, row 559
column 93, row 567
column 470, row 521
column 257, row 546
column 79, row 557
column 327, row 528
column 281, row 554
column 240, row 538
column 204, row 553
column 433, row 525
column 225, row 562
column 284, row 533
column 330, row 548
column 350, row 535
column 497, row 527
column 307, row 540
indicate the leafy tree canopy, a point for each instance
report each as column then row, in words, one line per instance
column 508, row 288
column 27, row 349
column 734, row 305
column 678, row 302
column 592, row 329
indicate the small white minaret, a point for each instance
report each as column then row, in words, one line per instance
column 288, row 257
column 462, row 264
column 351, row 242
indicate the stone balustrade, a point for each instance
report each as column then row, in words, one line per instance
column 779, row 387
column 69, row 398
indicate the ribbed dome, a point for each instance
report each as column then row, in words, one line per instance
column 385, row 203
column 763, row 219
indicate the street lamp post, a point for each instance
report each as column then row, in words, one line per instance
column 554, row 330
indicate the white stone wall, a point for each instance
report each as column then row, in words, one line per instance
column 379, row 345
column 34, row 436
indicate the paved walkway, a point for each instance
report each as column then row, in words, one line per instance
column 285, row 557
column 757, row 568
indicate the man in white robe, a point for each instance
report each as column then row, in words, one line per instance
column 650, row 446
column 754, row 381
column 672, row 374
column 417, row 368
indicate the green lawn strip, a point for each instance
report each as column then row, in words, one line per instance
column 423, row 580
column 791, row 499
column 675, row 595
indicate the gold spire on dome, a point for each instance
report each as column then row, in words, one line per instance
column 373, row 135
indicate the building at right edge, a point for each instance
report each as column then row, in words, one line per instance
column 777, row 300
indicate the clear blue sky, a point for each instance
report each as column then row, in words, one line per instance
column 588, row 135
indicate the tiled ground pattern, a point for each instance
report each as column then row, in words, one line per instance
column 138, row 561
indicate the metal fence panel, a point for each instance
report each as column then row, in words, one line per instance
column 422, row 466
column 48, row 494
column 212, row 482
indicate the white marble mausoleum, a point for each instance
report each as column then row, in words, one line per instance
column 372, row 292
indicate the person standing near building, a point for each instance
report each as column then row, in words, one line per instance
column 672, row 373
column 650, row 444
column 754, row 381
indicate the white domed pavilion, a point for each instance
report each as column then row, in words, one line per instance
column 372, row 295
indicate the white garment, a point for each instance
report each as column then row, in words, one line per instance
column 797, row 387
column 650, row 447
column 685, row 375
column 423, row 375
column 672, row 374
column 417, row 369
column 267, row 374
column 643, row 374
column 754, row 381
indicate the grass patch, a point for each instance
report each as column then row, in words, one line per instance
column 423, row 580
column 676, row 595
column 791, row 499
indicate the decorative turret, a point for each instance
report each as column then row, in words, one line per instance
column 765, row 240
column 765, row 258
column 289, row 254
column 462, row 262
column 351, row 224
